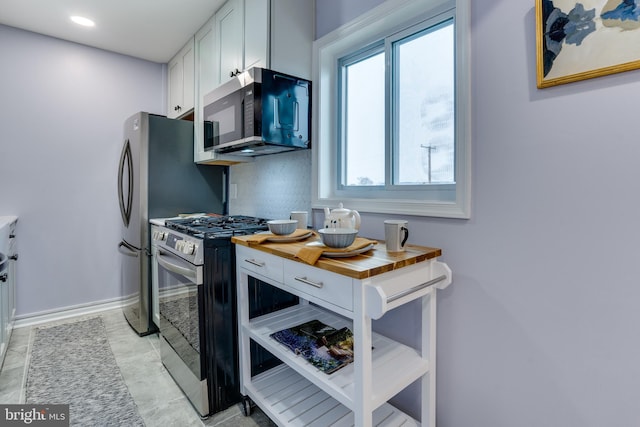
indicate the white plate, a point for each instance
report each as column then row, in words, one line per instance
column 285, row 239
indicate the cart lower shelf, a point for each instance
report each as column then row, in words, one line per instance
column 289, row 399
column 394, row 365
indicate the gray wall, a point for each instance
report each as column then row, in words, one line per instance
column 540, row 325
column 61, row 116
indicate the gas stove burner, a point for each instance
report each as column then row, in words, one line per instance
column 217, row 226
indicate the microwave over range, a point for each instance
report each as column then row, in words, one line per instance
column 259, row 111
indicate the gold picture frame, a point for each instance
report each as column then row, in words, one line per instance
column 578, row 40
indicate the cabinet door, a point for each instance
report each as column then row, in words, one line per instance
column 4, row 319
column 256, row 33
column 206, row 81
column 205, row 45
column 188, row 64
column 181, row 82
column 229, row 39
column 291, row 36
column 175, row 88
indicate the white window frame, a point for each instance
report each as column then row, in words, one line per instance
column 388, row 18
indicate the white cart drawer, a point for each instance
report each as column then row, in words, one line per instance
column 321, row 284
column 259, row 262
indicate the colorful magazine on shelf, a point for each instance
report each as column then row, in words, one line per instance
column 325, row 347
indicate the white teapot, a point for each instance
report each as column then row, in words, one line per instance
column 341, row 218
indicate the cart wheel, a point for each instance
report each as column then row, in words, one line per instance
column 246, row 406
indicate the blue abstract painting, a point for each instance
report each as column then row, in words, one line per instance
column 584, row 39
column 626, row 10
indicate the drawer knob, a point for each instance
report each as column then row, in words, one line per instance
column 309, row 282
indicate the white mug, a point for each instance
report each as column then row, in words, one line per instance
column 301, row 217
column 396, row 234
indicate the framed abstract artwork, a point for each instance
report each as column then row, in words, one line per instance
column 577, row 40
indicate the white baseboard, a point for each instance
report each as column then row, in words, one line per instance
column 65, row 313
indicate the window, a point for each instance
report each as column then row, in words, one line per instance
column 362, row 118
column 392, row 132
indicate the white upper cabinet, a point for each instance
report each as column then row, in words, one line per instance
column 207, row 76
column 291, row 24
column 181, row 82
column 229, row 40
column 256, row 33
column 275, row 34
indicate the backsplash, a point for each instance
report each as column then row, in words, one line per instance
column 272, row 186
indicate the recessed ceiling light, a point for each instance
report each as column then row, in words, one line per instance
column 83, row 21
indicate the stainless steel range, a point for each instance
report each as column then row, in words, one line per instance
column 194, row 262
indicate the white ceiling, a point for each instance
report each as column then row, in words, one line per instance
column 149, row 29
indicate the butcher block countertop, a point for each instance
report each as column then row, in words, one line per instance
column 368, row 264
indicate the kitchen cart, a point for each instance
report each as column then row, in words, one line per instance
column 340, row 292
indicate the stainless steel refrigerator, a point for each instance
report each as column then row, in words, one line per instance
column 157, row 178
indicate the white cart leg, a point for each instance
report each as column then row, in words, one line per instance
column 363, row 411
column 428, row 322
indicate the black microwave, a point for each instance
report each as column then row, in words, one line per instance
column 259, row 111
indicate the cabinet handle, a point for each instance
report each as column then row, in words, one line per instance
column 234, row 73
column 309, row 282
column 14, row 257
column 3, row 277
column 254, row 262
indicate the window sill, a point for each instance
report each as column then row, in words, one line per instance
column 398, row 207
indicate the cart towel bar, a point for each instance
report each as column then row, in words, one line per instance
column 390, row 292
column 406, row 292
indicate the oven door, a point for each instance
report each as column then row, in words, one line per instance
column 180, row 293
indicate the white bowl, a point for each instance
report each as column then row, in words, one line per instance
column 282, row 226
column 338, row 237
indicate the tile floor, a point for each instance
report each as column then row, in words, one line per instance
column 160, row 401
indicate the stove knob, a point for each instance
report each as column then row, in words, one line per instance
column 189, row 248
column 185, row 248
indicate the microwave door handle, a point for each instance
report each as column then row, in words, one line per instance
column 242, row 119
column 163, row 260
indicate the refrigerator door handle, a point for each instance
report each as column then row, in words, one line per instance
column 128, row 250
column 125, row 206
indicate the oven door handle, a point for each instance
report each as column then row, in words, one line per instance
column 177, row 266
